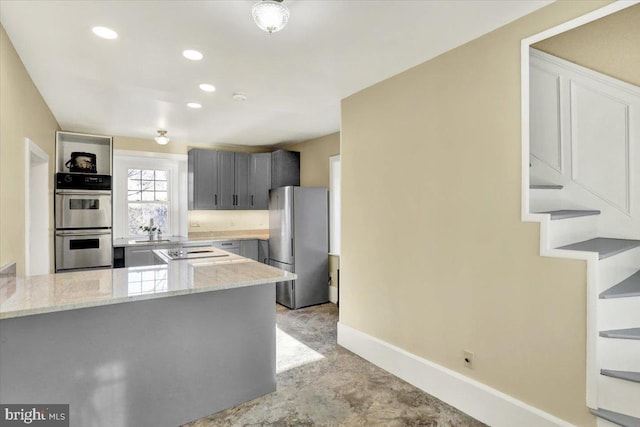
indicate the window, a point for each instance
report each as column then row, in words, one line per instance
column 334, row 205
column 147, row 198
column 149, row 185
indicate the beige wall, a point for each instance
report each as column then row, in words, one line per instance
column 314, row 172
column 23, row 114
column 435, row 258
column 314, row 159
column 597, row 45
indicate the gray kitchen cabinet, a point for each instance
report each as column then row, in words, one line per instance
column 263, row 251
column 232, row 246
column 259, row 180
column 243, row 199
column 233, row 180
column 226, row 180
column 139, row 256
column 249, row 249
column 203, row 179
column 285, row 168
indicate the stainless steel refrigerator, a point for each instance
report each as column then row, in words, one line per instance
column 299, row 242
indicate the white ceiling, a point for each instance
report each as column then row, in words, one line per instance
column 294, row 79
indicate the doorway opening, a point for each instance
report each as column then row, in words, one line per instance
column 37, row 239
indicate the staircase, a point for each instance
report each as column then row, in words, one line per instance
column 613, row 304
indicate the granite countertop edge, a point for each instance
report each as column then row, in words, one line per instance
column 231, row 284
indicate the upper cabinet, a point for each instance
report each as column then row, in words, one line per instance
column 227, row 180
column 233, row 180
column 83, row 153
column 259, row 180
column 285, row 168
column 203, row 180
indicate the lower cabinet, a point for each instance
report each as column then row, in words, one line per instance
column 232, row 246
column 263, row 251
column 249, row 249
column 138, row 256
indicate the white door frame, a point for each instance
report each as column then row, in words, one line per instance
column 36, row 209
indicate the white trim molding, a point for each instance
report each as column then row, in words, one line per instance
column 333, row 294
column 478, row 400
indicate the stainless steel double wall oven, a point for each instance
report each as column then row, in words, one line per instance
column 83, row 221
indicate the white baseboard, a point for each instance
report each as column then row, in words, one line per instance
column 478, row 400
column 333, row 294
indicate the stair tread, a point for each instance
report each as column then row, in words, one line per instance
column 569, row 213
column 629, row 287
column 605, row 246
column 623, row 375
column 629, row 333
column 546, row 187
column 616, row 418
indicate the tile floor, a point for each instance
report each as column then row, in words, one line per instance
column 322, row 384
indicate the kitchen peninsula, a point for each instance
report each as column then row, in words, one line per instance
column 141, row 346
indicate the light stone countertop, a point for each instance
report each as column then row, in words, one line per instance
column 208, row 236
column 31, row 295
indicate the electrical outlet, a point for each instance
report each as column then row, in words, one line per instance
column 194, row 223
column 468, row 359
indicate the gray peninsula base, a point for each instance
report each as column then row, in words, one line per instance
column 157, row 362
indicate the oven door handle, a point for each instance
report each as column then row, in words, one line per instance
column 84, row 192
column 82, row 233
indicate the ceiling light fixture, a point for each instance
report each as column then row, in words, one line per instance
column 162, row 137
column 207, row 87
column 193, row 55
column 270, row 15
column 194, row 105
column 105, row 33
column 239, row 96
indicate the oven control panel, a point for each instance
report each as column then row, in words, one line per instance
column 81, row 181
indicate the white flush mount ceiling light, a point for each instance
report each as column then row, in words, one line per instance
column 270, row 15
column 194, row 105
column 207, row 87
column 162, row 137
column 105, row 33
column 193, row 55
column 239, row 96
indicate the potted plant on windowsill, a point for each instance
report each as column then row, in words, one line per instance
column 151, row 230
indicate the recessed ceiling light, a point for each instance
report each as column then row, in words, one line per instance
column 194, row 105
column 207, row 87
column 105, row 33
column 193, row 55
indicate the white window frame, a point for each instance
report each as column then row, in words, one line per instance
column 334, row 205
column 175, row 164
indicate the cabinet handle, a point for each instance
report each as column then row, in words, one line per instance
column 215, row 199
column 252, row 200
column 235, row 200
column 291, row 247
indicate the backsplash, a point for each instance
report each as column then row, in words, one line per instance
column 227, row 220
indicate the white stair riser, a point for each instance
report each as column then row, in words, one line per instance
column 615, row 269
column 619, row 396
column 618, row 313
column 605, row 423
column 546, row 200
column 572, row 230
column 618, row 354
